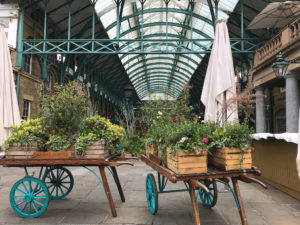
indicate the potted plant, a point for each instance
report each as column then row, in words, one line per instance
column 187, row 148
column 98, row 137
column 132, row 145
column 231, row 146
column 63, row 108
column 26, row 139
column 150, row 144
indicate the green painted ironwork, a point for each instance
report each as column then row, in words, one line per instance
column 107, row 46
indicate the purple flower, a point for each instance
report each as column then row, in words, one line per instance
column 74, row 139
column 77, row 132
column 70, row 135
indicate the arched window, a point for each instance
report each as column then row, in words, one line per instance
column 49, row 80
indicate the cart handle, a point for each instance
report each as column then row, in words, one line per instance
column 248, row 179
column 197, row 184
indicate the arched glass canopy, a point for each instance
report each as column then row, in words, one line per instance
column 161, row 19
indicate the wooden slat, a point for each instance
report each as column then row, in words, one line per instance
column 52, row 155
column 203, row 164
column 184, row 160
column 232, row 150
column 19, row 153
column 228, row 162
column 224, row 155
column 95, row 152
column 187, row 170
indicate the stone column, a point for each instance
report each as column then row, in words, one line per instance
column 292, row 102
column 260, row 110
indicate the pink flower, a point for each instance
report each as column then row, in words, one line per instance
column 183, row 139
column 205, row 140
column 174, row 120
column 200, row 150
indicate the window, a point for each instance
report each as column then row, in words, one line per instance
column 49, row 81
column 280, row 120
column 26, row 110
column 27, row 63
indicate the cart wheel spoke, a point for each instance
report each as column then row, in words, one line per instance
column 208, row 199
column 25, row 205
column 59, row 181
column 151, row 194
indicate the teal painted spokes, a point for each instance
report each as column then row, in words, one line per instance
column 151, row 193
column 29, row 197
column 208, row 200
column 59, row 181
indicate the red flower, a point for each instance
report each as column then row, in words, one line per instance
column 147, row 134
column 174, row 120
column 52, row 132
column 49, row 139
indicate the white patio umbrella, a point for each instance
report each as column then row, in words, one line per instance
column 298, row 155
column 219, row 84
column 276, row 14
column 9, row 109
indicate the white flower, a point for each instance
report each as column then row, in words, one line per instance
column 183, row 139
column 160, row 113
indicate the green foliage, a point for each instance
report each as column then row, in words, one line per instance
column 63, row 108
column 61, row 142
column 27, row 133
column 96, row 128
column 234, row 135
column 132, row 144
column 84, row 141
column 102, row 128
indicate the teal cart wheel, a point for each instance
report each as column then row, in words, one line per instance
column 151, row 193
column 208, row 200
column 29, row 197
column 59, row 181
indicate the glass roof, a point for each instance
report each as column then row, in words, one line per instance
column 152, row 73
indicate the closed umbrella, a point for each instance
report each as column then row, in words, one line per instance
column 219, row 84
column 298, row 155
column 276, row 15
column 9, row 109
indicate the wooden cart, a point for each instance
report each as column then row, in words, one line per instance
column 203, row 184
column 30, row 196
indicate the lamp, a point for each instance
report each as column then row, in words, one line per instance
column 128, row 90
column 280, row 66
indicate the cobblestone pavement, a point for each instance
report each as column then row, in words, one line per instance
column 87, row 203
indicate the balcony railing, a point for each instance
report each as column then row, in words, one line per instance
column 284, row 38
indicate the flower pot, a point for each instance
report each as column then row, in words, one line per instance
column 98, row 149
column 152, row 149
column 182, row 162
column 231, row 159
column 19, row 152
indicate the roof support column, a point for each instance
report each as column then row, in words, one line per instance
column 19, row 63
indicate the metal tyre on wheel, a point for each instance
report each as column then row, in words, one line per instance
column 208, row 200
column 151, row 193
column 29, row 197
column 59, row 181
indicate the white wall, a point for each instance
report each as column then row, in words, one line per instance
column 9, row 17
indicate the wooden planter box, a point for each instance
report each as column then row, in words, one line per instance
column 152, row 149
column 231, row 159
column 19, row 152
column 181, row 162
column 97, row 150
